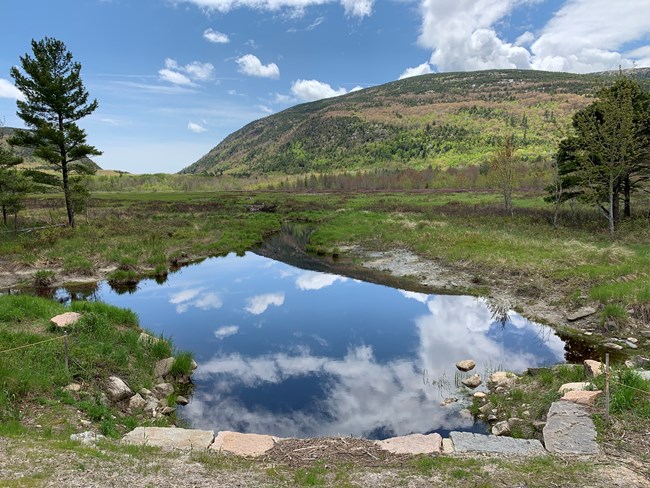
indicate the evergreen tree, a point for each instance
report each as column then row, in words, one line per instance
column 55, row 98
column 12, row 184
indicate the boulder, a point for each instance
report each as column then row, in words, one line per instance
column 163, row 390
column 117, row 390
column 447, row 446
column 181, row 400
column 65, row 319
column 470, row 442
column 465, row 365
column 582, row 397
column 167, row 410
column 193, row 365
column 579, row 386
column 593, row 368
column 638, row 362
column 504, row 379
column 136, row 402
column 501, row 428
column 150, row 407
column 89, row 437
column 581, row 313
column 412, row 444
column 480, row 395
column 163, row 367
column 472, row 382
column 569, row 430
column 170, row 438
column 250, row 445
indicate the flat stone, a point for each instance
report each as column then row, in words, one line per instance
column 163, row 367
column 501, row 428
column 170, row 438
column 117, row 390
column 581, row 314
column 88, row 437
column 412, row 444
column 163, row 390
column 638, row 362
column 569, row 430
column 181, row 400
column 447, row 446
column 448, row 401
column 503, row 379
column 593, row 368
column 579, row 386
column 584, row 397
column 472, row 382
column 631, row 345
column 645, row 333
column 480, row 395
column 633, row 340
column 65, row 319
column 250, row 445
column 73, row 387
column 470, row 442
column 466, row 365
column 611, row 345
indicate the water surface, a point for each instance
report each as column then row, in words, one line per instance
column 292, row 352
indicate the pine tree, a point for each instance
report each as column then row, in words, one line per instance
column 55, row 98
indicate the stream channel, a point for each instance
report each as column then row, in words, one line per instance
column 296, row 350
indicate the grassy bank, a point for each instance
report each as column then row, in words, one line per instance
column 33, row 376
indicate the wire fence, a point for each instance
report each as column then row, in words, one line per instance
column 65, row 347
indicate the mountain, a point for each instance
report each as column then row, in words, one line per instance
column 27, row 153
column 439, row 120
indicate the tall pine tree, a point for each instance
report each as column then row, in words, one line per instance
column 55, row 99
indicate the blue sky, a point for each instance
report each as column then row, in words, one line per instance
column 174, row 77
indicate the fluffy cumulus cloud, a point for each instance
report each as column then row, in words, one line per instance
column 310, row 90
column 225, row 331
column 195, row 297
column 582, row 35
column 8, row 90
column 250, row 65
column 196, row 128
column 355, row 8
column 216, row 37
column 313, row 280
column 258, row 304
column 186, row 75
column 422, row 69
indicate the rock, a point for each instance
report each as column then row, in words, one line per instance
column 593, row 368
column 644, row 374
column 73, row 387
column 251, row 445
column 480, row 395
column 526, row 413
column 136, row 402
column 163, row 367
column 633, row 340
column 645, row 333
column 579, row 386
column 150, row 407
column 448, row 401
column 163, row 390
column 148, row 338
column 469, row 442
column 485, row 409
column 492, row 418
column 638, row 362
column 569, row 430
column 582, row 397
column 193, row 365
column 412, row 444
column 503, row 379
column 181, row 400
column 611, row 345
column 447, row 446
column 465, row 365
column 501, row 428
column 117, row 390
column 167, row 410
column 588, row 333
column 631, row 345
column 89, row 437
column 170, row 438
column 581, row 313
column 144, row 393
column 65, row 319
column 472, row 382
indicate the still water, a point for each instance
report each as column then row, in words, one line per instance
column 290, row 352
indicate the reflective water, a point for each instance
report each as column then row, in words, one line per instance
column 291, row 352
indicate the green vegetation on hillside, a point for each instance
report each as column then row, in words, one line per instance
column 442, row 120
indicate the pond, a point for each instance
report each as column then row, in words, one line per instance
column 293, row 352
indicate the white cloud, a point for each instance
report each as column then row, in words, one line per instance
column 582, row 36
column 280, row 98
column 196, row 128
column 265, row 109
column 186, row 75
column 422, row 69
column 586, row 35
column 8, row 90
column 313, row 280
column 216, row 37
column 310, row 90
column 174, row 77
column 355, row 8
column 194, row 297
column 226, row 331
column 250, row 64
column 258, row 304
column 418, row 297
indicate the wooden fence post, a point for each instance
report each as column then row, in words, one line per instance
column 607, row 387
column 65, row 347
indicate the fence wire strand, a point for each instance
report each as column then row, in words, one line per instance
column 32, row 344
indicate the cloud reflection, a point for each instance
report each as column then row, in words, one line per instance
column 194, row 297
column 258, row 304
column 226, row 331
column 313, row 280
